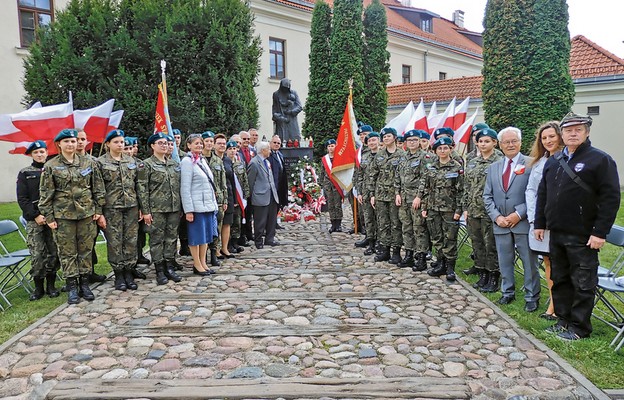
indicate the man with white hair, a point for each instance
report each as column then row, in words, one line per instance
column 505, row 202
column 264, row 197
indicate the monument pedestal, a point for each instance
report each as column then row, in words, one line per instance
column 292, row 155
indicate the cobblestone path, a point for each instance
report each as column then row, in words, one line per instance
column 311, row 318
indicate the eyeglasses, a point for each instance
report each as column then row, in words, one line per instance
column 276, row 142
column 512, row 142
column 161, row 143
column 245, row 139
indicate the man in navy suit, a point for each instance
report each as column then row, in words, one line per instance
column 504, row 196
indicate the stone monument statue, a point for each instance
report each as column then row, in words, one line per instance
column 286, row 106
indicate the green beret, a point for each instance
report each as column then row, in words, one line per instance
column 66, row 134
column 176, row 132
column 443, row 131
column 373, row 134
column 416, row 133
column 113, row 134
column 36, row 145
column 127, row 141
column 388, row 130
column 330, row 141
column 156, row 136
column 479, row 127
column 400, row 138
column 365, row 128
column 487, row 132
column 230, row 144
column 169, row 138
column 208, row 134
column 445, row 140
column 572, row 119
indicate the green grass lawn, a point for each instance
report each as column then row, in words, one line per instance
column 592, row 357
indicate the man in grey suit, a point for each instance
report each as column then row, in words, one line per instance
column 264, row 197
column 504, row 196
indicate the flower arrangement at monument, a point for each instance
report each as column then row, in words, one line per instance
column 305, row 196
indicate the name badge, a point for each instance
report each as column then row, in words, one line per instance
column 60, row 168
column 177, row 168
column 217, row 168
column 132, row 166
column 415, row 163
column 31, row 177
column 451, row 175
column 394, row 162
column 86, row 171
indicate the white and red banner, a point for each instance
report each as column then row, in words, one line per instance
column 461, row 112
column 401, row 121
column 418, row 120
column 327, row 164
column 346, row 153
column 240, row 199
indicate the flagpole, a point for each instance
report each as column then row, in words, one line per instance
column 355, row 201
column 163, row 66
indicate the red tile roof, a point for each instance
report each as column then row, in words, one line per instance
column 587, row 60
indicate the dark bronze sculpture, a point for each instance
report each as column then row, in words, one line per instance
column 286, row 106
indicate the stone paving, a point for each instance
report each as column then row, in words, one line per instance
column 312, row 308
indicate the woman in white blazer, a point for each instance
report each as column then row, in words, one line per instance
column 199, row 203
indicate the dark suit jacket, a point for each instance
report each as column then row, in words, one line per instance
column 252, row 154
column 280, row 176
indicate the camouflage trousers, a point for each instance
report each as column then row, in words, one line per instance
column 334, row 204
column 414, row 227
column 388, row 224
column 235, row 228
column 43, row 253
column 122, row 230
column 481, row 234
column 370, row 219
column 74, row 241
column 443, row 232
column 163, row 236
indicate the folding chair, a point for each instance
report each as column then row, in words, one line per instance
column 8, row 227
column 463, row 238
column 608, row 292
column 620, row 337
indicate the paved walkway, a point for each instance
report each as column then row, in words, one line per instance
column 309, row 319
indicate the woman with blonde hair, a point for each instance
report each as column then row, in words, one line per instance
column 548, row 141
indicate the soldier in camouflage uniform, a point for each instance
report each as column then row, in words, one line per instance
column 71, row 198
column 477, row 219
column 448, row 132
column 121, row 210
column 383, row 199
column 443, row 187
column 159, row 198
column 44, row 259
column 215, row 162
column 333, row 194
column 240, row 173
column 407, row 182
column 129, row 149
column 363, row 131
column 474, row 153
column 365, row 185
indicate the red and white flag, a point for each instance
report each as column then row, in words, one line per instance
column 461, row 112
column 44, row 123
column 441, row 121
column 94, row 121
column 115, row 120
column 240, row 199
column 400, row 121
column 433, row 117
column 419, row 119
column 449, row 121
column 462, row 134
column 345, row 155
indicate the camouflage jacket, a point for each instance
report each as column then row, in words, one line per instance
column 71, row 190
column 474, row 182
column 473, row 154
column 159, row 186
column 358, row 171
column 363, row 181
column 241, row 174
column 218, row 171
column 443, row 187
column 120, row 179
column 409, row 175
column 383, row 170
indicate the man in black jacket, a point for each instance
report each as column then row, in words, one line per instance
column 280, row 177
column 578, row 199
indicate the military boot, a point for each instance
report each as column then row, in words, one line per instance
column 396, row 255
column 421, row 263
column 161, row 279
column 484, row 276
column 450, row 270
column 39, row 291
column 184, row 248
column 472, row 270
column 50, row 288
column 129, row 279
column 72, row 291
column 142, row 260
column 136, row 274
column 493, row 283
column 408, row 260
column 120, row 282
column 214, row 261
column 439, row 269
column 338, row 225
column 170, row 272
column 362, row 243
column 84, row 290
column 370, row 250
column 174, row 264
column 384, row 255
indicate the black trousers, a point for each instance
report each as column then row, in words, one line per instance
column 265, row 220
column 248, row 227
column 574, row 274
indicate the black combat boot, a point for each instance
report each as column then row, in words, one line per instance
column 129, row 279
column 50, row 288
column 174, row 264
column 493, row 283
column 384, row 255
column 214, row 261
column 484, row 276
column 72, row 291
column 338, row 225
column 472, row 270
column 362, row 243
column 408, row 260
column 439, row 269
column 136, row 274
column 396, row 255
column 161, row 279
column 120, row 282
column 421, row 263
column 450, row 270
column 96, row 278
column 142, row 260
column 39, row 291
column 184, row 248
column 170, row 272
column 84, row 290
column 370, row 250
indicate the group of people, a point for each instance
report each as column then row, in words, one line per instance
column 559, row 203
column 206, row 200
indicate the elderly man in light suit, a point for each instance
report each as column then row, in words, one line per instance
column 264, row 197
column 504, row 196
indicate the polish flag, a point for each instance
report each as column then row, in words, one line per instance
column 419, row 119
column 345, row 155
column 449, row 121
column 462, row 134
column 20, row 148
column 400, row 121
column 115, row 120
column 94, row 121
column 8, row 131
column 461, row 111
column 44, row 123
column 441, row 121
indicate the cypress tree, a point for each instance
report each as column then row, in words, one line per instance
column 316, row 122
column 526, row 50
column 375, row 60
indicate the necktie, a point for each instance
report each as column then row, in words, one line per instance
column 507, row 175
column 267, row 165
column 246, row 154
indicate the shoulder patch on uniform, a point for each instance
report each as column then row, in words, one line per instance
column 140, row 165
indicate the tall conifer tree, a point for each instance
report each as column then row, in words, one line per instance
column 376, row 65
